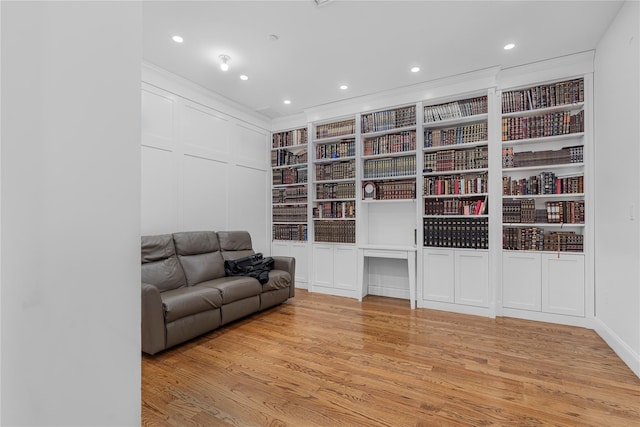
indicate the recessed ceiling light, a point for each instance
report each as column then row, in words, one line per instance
column 415, row 69
column 509, row 46
column 344, row 87
column 287, row 101
column 244, row 77
column 177, row 39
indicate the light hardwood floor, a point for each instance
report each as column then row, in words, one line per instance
column 320, row 360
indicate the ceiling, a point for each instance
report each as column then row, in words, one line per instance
column 368, row 45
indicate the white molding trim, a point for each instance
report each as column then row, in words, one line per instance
column 617, row 344
column 438, row 89
column 186, row 89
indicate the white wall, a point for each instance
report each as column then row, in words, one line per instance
column 617, row 155
column 205, row 163
column 70, row 266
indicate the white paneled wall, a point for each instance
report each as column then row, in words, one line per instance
column 204, row 164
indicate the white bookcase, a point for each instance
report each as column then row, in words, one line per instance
column 333, row 207
column 289, row 199
column 545, row 205
column 416, row 199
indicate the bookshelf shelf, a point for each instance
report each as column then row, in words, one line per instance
column 388, row 155
column 545, row 167
column 459, row 146
column 411, row 128
column 456, row 121
column 389, row 201
column 456, row 172
column 575, row 106
column 545, row 196
column 333, row 160
column 456, row 216
column 543, row 139
column 455, row 196
column 543, row 224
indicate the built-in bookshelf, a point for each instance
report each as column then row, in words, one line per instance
column 456, row 174
column 334, row 182
column 388, row 158
column 543, row 206
column 289, row 198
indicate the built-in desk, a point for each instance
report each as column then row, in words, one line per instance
column 394, row 252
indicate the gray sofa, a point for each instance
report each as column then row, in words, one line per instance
column 185, row 292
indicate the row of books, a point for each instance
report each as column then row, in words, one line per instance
column 523, row 211
column 456, row 184
column 336, row 170
column 289, row 138
column 550, row 124
column 289, row 176
column 455, row 109
column 343, row 148
column 544, row 183
column 345, row 209
column 519, row 211
column 475, row 132
column 389, row 167
column 329, row 130
column 287, row 158
column 536, row 239
column 470, row 233
column 389, row 119
column 452, row 160
column 334, row 231
column 296, row 232
column 297, row 194
column 391, row 143
column 565, row 211
column 476, row 206
column 563, row 241
column 336, row 190
column 395, row 190
column 566, row 155
column 290, row 213
column 543, row 96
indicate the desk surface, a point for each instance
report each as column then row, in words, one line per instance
column 389, row 247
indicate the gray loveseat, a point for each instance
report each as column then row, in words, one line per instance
column 185, row 292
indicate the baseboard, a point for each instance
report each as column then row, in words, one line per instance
column 626, row 353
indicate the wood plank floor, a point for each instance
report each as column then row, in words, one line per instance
column 320, row 360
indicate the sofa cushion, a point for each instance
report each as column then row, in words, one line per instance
column 278, row 279
column 199, row 254
column 183, row 302
column 160, row 266
column 234, row 288
column 235, row 244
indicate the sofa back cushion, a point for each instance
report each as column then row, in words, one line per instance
column 235, row 244
column 199, row 254
column 160, row 266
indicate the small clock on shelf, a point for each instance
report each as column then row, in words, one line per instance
column 369, row 190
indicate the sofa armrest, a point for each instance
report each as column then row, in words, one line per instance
column 287, row 264
column 153, row 328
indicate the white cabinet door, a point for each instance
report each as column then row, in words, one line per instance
column 438, row 275
column 300, row 251
column 563, row 284
column 345, row 269
column 472, row 278
column 521, row 280
column 323, row 265
column 280, row 248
